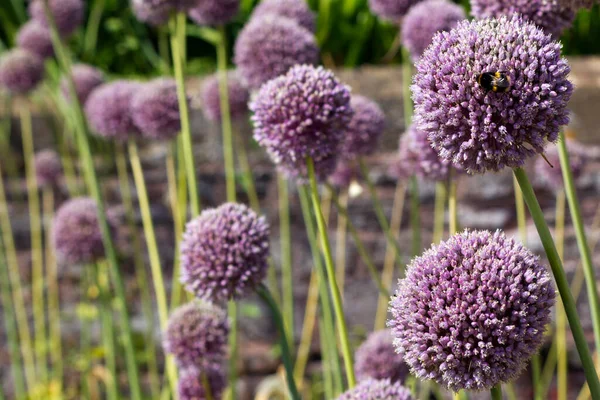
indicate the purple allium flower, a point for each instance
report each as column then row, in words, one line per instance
column 86, row 78
column 155, row 109
column 344, row 174
column 391, row 10
column 214, row 12
column 406, row 163
column 36, row 39
column 481, row 130
column 211, row 97
column 68, row 14
column 426, row 19
column 428, row 164
column 296, row 10
column 364, row 130
column 372, row 389
column 552, row 174
column 551, row 15
column 376, row 358
column 197, row 335
column 76, row 232
column 301, row 114
column 108, row 109
column 153, row 14
column 268, row 47
column 224, row 252
column 48, row 167
column 20, row 71
column 190, row 385
column 471, row 311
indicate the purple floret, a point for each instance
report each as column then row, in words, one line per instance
column 302, row 114
column 268, row 47
column 376, row 358
column 224, row 253
column 20, row 71
column 296, row 10
column 372, row 389
column 48, row 168
column 86, row 78
column 472, row 311
column 68, row 14
column 191, row 385
column 552, row 173
column 214, row 12
column 36, row 39
column 211, row 97
column 391, row 10
column 480, row 130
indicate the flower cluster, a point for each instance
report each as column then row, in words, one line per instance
column 471, row 311
column 376, row 358
column 20, row 71
column 48, row 168
column 549, row 168
column 479, row 129
column 214, row 12
column 238, row 97
column 224, row 253
column 36, row 39
column 68, row 14
column 191, row 387
column 153, row 14
column 428, row 163
column 372, row 389
column 86, row 78
column 296, row 10
column 407, row 160
column 364, row 129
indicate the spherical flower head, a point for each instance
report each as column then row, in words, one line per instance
column 214, row 12
column 48, row 168
column 549, row 169
column 68, row 14
column 190, row 386
column 344, row 174
column 372, row 389
column 155, row 109
column 224, row 253
column 155, row 15
column 36, row 39
column 197, row 335
column 481, row 130
column 391, row 10
column 268, row 47
column 296, row 10
column 428, row 164
column 376, row 358
column 86, row 78
column 471, row 311
column 553, row 16
column 364, row 130
column 301, row 114
column 76, row 232
column 238, row 96
column 20, row 71
column 108, row 110
column 407, row 161
column 424, row 20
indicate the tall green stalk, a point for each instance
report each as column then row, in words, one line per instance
column 582, row 243
column 94, row 187
column 340, row 242
column 287, row 277
column 415, row 216
column 108, row 342
column 496, row 392
column 177, row 291
column 561, row 281
column 247, row 175
column 440, row 211
column 308, row 326
column 37, row 256
column 330, row 268
column 561, row 318
column 91, row 32
column 453, row 207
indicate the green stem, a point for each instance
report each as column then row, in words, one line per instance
column 152, row 247
column 310, row 317
column 37, row 257
column 561, row 281
column 138, row 263
column 415, row 216
column 287, row 276
column 177, row 290
column 407, row 72
column 381, row 218
column 179, row 60
column 327, row 368
column 107, row 331
column 94, row 187
column 561, row 319
column 453, row 207
column 582, row 243
column 232, row 311
column 496, row 392
column 440, row 211
column 340, row 241
column 264, row 293
column 329, row 266
column 91, row 31
column 68, row 166
column 246, row 171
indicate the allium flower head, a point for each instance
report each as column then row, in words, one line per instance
column 407, row 160
column 211, row 97
column 214, row 12
column 553, row 16
column 190, row 385
column 48, row 168
column 301, row 114
column 372, row 389
column 20, row 71
column 428, row 164
column 481, row 130
column 471, row 311
column 364, row 130
column 391, row 10
column 344, row 174
column 268, row 47
column 224, row 252
column 376, row 358
column 68, row 14
column 552, row 173
column 197, row 335
column 155, row 109
column 108, row 109
column 296, row 10
column 424, row 20
column 86, row 78
column 36, row 39
column 76, row 232
column 155, row 15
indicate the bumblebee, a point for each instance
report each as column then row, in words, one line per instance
column 497, row 81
